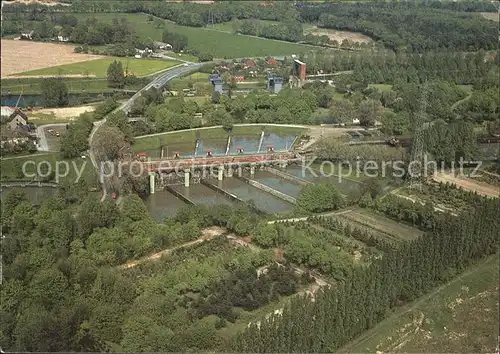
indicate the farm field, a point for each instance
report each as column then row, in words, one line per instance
column 458, row 317
column 98, row 68
column 21, row 56
column 220, row 44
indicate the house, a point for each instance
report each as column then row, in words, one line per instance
column 62, row 39
column 17, row 121
column 272, row 61
column 27, row 35
column 274, row 83
column 162, row 46
column 217, row 82
column 144, row 53
column 250, row 63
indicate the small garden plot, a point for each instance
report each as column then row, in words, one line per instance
column 363, row 236
column 341, row 238
column 210, row 286
column 307, row 246
column 384, row 225
column 442, row 195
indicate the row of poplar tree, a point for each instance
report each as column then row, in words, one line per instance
column 341, row 313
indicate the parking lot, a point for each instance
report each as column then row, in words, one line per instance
column 53, row 135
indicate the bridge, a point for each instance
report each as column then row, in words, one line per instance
column 222, row 164
column 172, row 164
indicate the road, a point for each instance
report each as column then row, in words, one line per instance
column 158, row 83
column 43, row 145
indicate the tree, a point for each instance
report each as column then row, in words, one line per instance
column 54, row 92
column 369, row 112
column 395, row 123
column 109, row 143
column 116, row 75
column 215, row 97
column 320, row 197
column 75, row 140
column 205, row 57
column 343, row 111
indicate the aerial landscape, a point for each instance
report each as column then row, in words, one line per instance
column 250, row 176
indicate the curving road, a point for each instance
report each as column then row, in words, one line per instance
column 158, row 83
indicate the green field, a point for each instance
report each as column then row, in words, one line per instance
column 458, row 317
column 381, row 87
column 99, row 67
column 10, row 167
column 220, row 44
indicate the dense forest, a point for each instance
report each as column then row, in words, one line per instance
column 415, row 27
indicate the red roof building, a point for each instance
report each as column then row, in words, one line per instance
column 272, row 61
column 251, row 63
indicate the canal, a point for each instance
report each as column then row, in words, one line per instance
column 262, row 200
column 163, row 204
column 278, row 183
column 200, row 194
column 218, row 146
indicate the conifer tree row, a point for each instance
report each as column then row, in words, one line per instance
column 341, row 313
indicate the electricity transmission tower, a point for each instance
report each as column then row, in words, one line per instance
column 416, row 166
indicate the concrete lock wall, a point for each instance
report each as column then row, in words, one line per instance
column 286, row 176
column 152, row 183
column 269, row 190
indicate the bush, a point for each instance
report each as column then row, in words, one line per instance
column 320, row 197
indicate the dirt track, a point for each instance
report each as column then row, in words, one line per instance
column 207, row 234
column 20, row 56
column 339, row 36
column 64, row 113
column 468, row 184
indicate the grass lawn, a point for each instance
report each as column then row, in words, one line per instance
column 233, row 25
column 381, row 87
column 11, row 168
column 154, row 142
column 458, row 317
column 99, row 67
column 220, row 44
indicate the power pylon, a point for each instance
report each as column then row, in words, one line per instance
column 416, row 166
